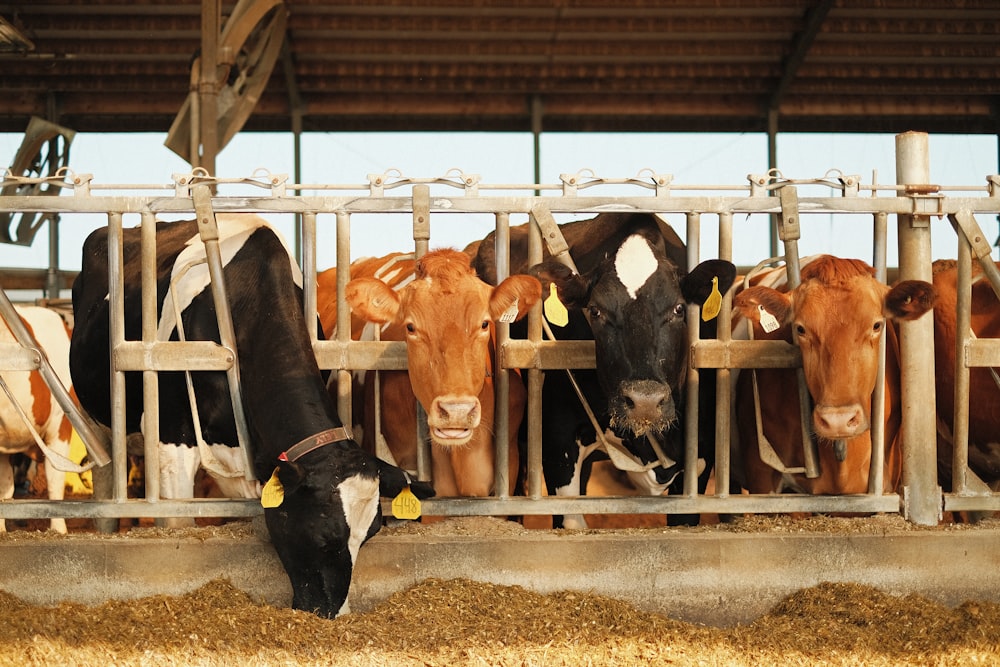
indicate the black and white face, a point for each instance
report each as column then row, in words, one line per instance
column 637, row 314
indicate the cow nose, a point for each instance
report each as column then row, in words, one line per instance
column 646, row 402
column 839, row 422
column 458, row 412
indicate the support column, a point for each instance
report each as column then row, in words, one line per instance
column 921, row 493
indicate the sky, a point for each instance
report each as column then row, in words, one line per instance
column 507, row 158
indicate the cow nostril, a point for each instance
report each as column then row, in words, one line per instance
column 629, row 403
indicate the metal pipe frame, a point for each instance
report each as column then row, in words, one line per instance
column 534, row 355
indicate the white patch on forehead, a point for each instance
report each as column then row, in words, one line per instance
column 634, row 263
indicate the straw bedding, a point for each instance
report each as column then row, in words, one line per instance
column 463, row 622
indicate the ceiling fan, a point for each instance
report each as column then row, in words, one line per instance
column 249, row 47
column 43, row 152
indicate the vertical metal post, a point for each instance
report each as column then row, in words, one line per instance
column 536, row 133
column 876, row 468
column 150, row 379
column 789, row 231
column 535, row 378
column 693, row 374
column 344, row 378
column 307, row 233
column 501, row 414
column 963, row 324
column 53, row 281
column 723, row 376
column 772, row 163
column 421, row 239
column 116, row 296
column 208, row 93
column 921, row 494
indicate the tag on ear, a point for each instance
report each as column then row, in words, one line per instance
column 273, row 492
column 555, row 311
column 768, row 322
column 509, row 315
column 406, row 505
column 710, row 309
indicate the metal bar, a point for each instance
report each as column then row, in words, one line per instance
column 116, row 310
column 963, row 323
column 921, row 494
column 668, row 504
column 421, row 239
column 216, row 507
column 209, row 231
column 876, row 467
column 345, row 398
column 789, row 232
column 501, row 413
column 309, row 271
column 693, row 387
column 150, row 377
column 535, row 379
column 723, row 376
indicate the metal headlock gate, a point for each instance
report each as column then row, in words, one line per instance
column 914, row 203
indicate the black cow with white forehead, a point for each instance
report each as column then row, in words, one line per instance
column 631, row 298
column 331, row 487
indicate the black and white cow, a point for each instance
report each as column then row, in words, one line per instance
column 331, row 487
column 631, row 298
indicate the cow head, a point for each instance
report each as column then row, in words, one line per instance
column 838, row 314
column 636, row 304
column 446, row 317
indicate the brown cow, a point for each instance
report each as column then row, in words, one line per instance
column 446, row 316
column 838, row 313
column 984, row 392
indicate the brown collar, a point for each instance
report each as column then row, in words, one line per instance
column 300, row 449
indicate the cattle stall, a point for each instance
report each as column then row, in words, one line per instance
column 316, row 208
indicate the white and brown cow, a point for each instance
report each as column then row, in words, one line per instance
column 631, row 298
column 839, row 313
column 446, row 316
column 331, row 486
column 45, row 414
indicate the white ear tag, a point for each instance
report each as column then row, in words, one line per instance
column 509, row 315
column 768, row 322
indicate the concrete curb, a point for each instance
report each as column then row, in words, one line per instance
column 717, row 578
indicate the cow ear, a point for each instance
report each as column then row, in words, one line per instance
column 776, row 303
column 372, row 300
column 574, row 289
column 524, row 291
column 697, row 285
column 291, row 476
column 909, row 299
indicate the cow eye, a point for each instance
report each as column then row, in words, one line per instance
column 485, row 325
column 877, row 327
column 593, row 312
column 410, row 328
column 680, row 310
column 800, row 330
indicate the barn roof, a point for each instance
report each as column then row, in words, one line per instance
column 585, row 65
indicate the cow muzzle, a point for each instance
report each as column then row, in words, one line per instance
column 452, row 419
column 643, row 406
column 839, row 422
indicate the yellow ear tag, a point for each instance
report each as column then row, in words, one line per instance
column 406, row 505
column 273, row 492
column 713, row 303
column 555, row 311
